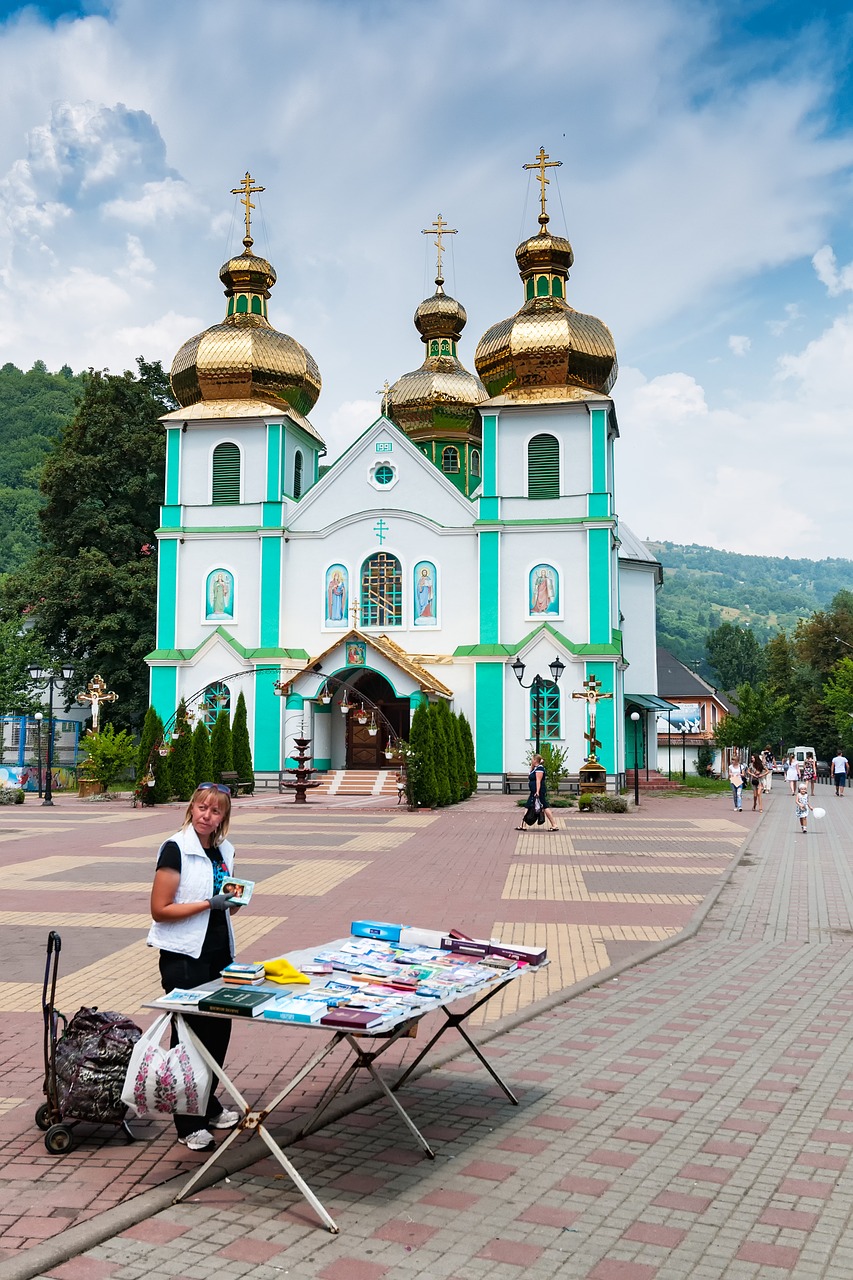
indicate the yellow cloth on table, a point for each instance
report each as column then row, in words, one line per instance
column 283, row 972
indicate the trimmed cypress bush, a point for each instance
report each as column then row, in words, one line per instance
column 441, row 756
column 242, row 746
column 221, row 746
column 162, row 789
column 461, row 764
column 201, row 754
column 146, row 741
column 421, row 765
column 182, row 758
column 468, row 750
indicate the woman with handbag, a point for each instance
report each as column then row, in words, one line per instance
column 757, row 772
column 538, row 800
column 192, row 928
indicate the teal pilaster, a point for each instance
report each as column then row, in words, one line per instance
column 173, row 466
column 489, row 718
column 599, row 558
column 268, row 712
column 489, row 552
column 489, row 456
column 274, row 434
column 167, row 593
column 605, row 722
column 598, row 451
column 270, row 591
column 164, row 691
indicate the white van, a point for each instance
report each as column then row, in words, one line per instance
column 800, row 754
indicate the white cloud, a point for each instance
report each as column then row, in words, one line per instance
column 346, row 423
column 792, row 315
column 739, row 344
column 158, row 202
column 826, row 267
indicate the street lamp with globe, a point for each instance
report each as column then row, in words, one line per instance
column 40, row 675
column 635, row 719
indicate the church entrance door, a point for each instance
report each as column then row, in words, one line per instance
column 363, row 750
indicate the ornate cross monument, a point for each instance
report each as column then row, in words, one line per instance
column 593, row 776
column 96, row 693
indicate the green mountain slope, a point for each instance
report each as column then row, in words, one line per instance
column 704, row 587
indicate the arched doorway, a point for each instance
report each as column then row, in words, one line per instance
column 364, row 751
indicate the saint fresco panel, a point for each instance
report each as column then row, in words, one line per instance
column 337, row 592
column 425, row 592
column 219, row 596
column 543, row 590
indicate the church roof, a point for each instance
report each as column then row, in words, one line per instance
column 205, row 409
column 390, row 650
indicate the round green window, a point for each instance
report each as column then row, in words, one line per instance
column 384, row 474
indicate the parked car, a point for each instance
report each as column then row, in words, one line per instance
column 823, row 770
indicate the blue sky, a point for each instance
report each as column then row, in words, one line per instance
column 707, row 151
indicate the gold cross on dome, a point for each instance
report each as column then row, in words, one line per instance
column 439, row 228
column 246, row 190
column 543, row 162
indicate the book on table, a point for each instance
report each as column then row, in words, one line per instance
column 181, row 997
column 236, row 1000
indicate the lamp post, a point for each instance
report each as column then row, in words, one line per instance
column 39, row 674
column 38, row 717
column 635, row 717
column 537, row 684
column 684, row 753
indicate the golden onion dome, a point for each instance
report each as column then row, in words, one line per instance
column 244, row 357
column 547, row 345
column 441, row 395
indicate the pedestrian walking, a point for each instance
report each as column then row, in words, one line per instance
column 538, row 799
column 840, row 770
column 810, row 771
column 757, row 772
column 803, row 806
column 736, row 782
column 792, row 774
column 769, row 764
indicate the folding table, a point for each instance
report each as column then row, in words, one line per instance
column 366, row 1044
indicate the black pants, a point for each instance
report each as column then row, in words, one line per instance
column 214, row 1033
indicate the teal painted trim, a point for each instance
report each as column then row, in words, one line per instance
column 598, row 506
column 605, row 720
column 167, row 594
column 173, row 466
column 261, row 654
column 164, row 691
column 216, row 528
column 598, row 433
column 273, row 515
column 490, row 509
column 322, row 764
column 170, row 518
column 490, row 568
column 273, row 462
column 270, row 590
column 516, row 524
column 266, row 751
column 339, row 671
column 417, row 699
column 294, row 702
column 489, row 455
column 489, row 717
column 600, row 631
column 503, row 651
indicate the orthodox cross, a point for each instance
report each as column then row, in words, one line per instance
column 380, row 529
column 542, row 162
column 592, row 695
column 96, row 693
column 246, row 190
column 439, row 228
column 354, row 607
column 384, row 394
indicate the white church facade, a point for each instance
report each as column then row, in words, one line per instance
column 473, row 524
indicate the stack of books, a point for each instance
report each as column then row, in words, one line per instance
column 243, row 975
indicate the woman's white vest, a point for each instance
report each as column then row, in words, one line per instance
column 187, row 936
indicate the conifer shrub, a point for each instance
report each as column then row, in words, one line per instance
column 468, row 752
column 201, row 754
column 182, row 757
column 242, row 746
column 441, row 756
column 420, row 774
column 221, row 746
column 148, row 757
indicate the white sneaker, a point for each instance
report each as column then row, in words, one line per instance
column 226, row 1119
column 201, row 1140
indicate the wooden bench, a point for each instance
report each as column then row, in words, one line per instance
column 234, row 785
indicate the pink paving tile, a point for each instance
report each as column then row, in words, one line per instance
column 795, row 1219
column 654, row 1233
column 832, row 1135
column 613, row 1269
column 745, row 1126
column 577, row 1102
column 85, row 1269
column 358, row 1182
column 352, row 1269
column 632, row 1133
column 560, row 1123
column 548, row 1216
column 820, row 1160
column 669, row 1114
column 799, row 1187
column 527, row 1146
column 718, row 1148
column 443, row 1198
column 615, row 1159
column 682, row 1095
column 768, row 1255
column 515, row 1252
column 400, row 1155
column 765, row 1104
column 489, row 1170
column 42, row 1228
column 601, row 1084
column 683, row 1203
column 155, row 1231
column 402, row 1232
column 441, row 1132
column 705, row 1173
column 583, row 1186
column 248, row 1250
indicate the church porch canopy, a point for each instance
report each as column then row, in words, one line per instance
column 356, row 643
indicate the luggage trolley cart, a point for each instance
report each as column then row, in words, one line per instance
column 56, row 1120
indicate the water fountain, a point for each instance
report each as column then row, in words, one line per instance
column 301, row 783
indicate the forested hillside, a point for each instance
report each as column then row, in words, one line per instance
column 704, row 587
column 33, row 408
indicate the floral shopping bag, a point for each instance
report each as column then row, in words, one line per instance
column 162, row 1081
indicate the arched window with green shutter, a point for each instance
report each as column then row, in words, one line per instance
column 226, row 474
column 543, row 467
column 381, row 591
column 548, row 711
column 297, row 474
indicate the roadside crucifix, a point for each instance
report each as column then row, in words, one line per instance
column 592, row 695
column 96, row 693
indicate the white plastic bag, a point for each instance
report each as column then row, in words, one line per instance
column 162, row 1081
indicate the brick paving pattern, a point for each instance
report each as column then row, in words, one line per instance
column 692, row 1117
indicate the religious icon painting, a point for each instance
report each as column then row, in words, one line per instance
column 337, row 596
column 356, row 653
column 219, row 596
column 425, row 584
column 543, row 591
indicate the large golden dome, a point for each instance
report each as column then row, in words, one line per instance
column 244, row 358
column 547, row 346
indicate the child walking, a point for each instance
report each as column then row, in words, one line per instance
column 803, row 806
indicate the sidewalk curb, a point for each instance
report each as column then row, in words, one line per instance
column 87, row 1235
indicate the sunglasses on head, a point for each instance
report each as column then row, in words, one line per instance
column 214, row 786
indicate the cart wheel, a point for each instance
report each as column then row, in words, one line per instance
column 43, row 1116
column 59, row 1139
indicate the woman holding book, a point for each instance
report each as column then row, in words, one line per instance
column 192, row 928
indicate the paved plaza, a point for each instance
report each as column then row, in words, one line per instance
column 692, row 1116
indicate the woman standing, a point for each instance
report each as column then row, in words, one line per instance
column 810, row 771
column 736, row 782
column 758, row 772
column 192, row 928
column 792, row 773
column 536, row 786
